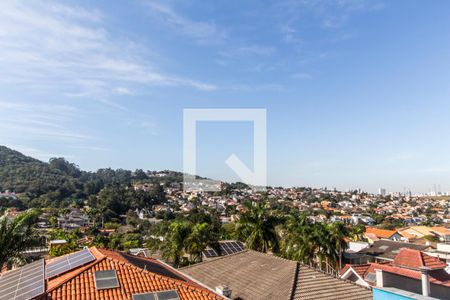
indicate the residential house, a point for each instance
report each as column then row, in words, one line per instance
column 73, row 220
column 101, row 274
column 374, row 234
column 412, row 233
column 385, row 251
column 412, row 275
column 255, row 275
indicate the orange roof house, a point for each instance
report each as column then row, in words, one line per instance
column 105, row 274
column 374, row 234
column 80, row 282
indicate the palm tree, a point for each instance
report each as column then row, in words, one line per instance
column 338, row 232
column 16, row 236
column 323, row 245
column 297, row 242
column 175, row 240
column 201, row 236
column 256, row 227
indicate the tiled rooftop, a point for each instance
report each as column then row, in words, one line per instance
column 415, row 259
column 380, row 233
column 255, row 275
column 80, row 283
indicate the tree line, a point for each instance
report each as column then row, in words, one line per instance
column 292, row 236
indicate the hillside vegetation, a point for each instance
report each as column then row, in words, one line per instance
column 60, row 183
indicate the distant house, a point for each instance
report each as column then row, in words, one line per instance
column 386, row 250
column 442, row 252
column 374, row 234
column 251, row 275
column 146, row 187
column 412, row 233
column 73, row 220
column 412, row 271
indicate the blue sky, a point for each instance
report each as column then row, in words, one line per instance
column 357, row 92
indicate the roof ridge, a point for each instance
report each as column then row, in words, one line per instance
column 214, row 259
column 335, row 277
column 237, row 253
column 294, row 284
column 161, row 277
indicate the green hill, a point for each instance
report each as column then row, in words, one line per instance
column 22, row 173
column 60, row 183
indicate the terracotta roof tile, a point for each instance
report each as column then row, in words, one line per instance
column 80, row 284
column 439, row 277
column 414, row 259
column 380, row 233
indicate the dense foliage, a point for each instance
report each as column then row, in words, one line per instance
column 16, row 236
column 60, row 183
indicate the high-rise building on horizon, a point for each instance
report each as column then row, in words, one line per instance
column 382, row 191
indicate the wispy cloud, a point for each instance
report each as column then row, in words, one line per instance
column 50, row 47
column 202, row 32
column 327, row 14
column 91, row 148
column 249, row 50
column 256, row 87
column 39, row 121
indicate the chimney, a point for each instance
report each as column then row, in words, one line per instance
column 224, row 291
column 379, row 277
column 425, row 282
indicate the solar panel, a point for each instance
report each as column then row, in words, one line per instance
column 106, row 279
column 23, row 283
column 168, row 295
column 147, row 296
column 164, row 295
column 226, row 248
column 69, row 262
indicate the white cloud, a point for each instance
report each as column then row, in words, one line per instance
column 38, row 121
column 49, row 47
column 328, row 14
column 203, row 32
column 123, row 91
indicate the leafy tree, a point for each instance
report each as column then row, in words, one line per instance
column 16, row 236
column 337, row 234
column 298, row 240
column 173, row 246
column 256, row 227
column 201, row 236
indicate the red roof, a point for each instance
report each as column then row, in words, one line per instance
column 380, row 233
column 415, row 259
column 361, row 270
column 440, row 277
column 80, row 284
column 408, row 263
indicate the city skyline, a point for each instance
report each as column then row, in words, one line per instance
column 356, row 92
